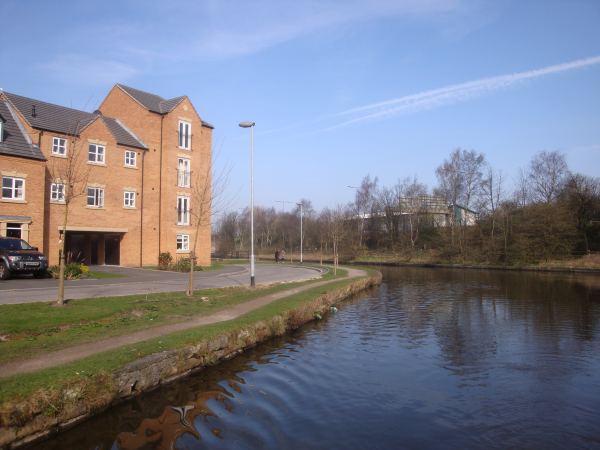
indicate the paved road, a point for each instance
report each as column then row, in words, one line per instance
column 142, row 281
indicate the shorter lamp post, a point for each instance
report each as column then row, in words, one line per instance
column 251, row 126
column 301, row 213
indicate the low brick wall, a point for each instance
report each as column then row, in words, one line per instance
column 49, row 412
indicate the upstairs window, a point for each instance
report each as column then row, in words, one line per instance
column 96, row 154
column 13, row 188
column 183, row 210
column 183, row 172
column 185, row 135
column 130, row 158
column 59, row 146
column 57, row 192
column 95, row 197
column 129, row 199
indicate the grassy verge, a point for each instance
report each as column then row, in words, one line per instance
column 34, row 328
column 20, row 386
column 101, row 275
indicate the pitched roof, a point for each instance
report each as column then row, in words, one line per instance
column 122, row 134
column 15, row 141
column 156, row 103
column 152, row 102
column 60, row 119
column 51, row 117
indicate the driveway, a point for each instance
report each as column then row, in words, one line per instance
column 142, row 281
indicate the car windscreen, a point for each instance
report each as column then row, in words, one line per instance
column 14, row 244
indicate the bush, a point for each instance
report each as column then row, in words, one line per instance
column 182, row 265
column 73, row 271
column 165, row 260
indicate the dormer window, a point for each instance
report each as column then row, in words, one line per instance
column 185, row 135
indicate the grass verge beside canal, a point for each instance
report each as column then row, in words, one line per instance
column 22, row 385
column 27, row 330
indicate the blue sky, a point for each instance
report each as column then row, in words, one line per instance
column 338, row 89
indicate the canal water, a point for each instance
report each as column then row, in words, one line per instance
column 433, row 358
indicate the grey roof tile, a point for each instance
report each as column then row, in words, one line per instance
column 15, row 141
column 156, row 103
column 122, row 134
column 51, row 117
column 153, row 102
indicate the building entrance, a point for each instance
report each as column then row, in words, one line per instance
column 93, row 248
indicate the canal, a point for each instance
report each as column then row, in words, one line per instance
column 433, row 358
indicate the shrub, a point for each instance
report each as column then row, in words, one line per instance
column 73, row 271
column 164, row 260
column 182, row 265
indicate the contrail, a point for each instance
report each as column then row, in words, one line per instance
column 454, row 93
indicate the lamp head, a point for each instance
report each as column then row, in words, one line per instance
column 247, row 124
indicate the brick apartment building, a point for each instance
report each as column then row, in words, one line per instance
column 144, row 157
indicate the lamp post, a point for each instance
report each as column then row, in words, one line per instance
column 251, row 126
column 301, row 212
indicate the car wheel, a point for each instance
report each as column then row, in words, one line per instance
column 4, row 272
column 39, row 274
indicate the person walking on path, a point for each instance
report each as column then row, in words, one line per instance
column 277, row 256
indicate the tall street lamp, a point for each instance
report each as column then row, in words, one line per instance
column 301, row 211
column 251, row 126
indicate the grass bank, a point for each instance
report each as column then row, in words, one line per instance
column 27, row 330
column 33, row 404
column 586, row 263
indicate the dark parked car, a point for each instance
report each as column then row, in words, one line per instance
column 17, row 256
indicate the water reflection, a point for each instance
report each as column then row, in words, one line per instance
column 433, row 358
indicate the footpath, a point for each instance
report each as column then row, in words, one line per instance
column 76, row 352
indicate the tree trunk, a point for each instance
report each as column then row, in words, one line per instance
column 61, row 254
column 190, row 289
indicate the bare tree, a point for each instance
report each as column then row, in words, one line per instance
column 364, row 203
column 582, row 195
column 493, row 195
column 548, row 172
column 207, row 200
column 69, row 177
column 522, row 194
column 460, row 179
column 411, row 204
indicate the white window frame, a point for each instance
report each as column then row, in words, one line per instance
column 1, row 130
column 97, row 196
column 14, row 190
column 57, row 195
column 59, row 146
column 183, row 210
column 183, row 172
column 129, row 199
column 185, row 134
column 99, row 156
column 183, row 243
column 131, row 156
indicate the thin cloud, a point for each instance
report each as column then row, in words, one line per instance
column 452, row 94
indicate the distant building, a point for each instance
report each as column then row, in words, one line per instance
column 143, row 152
column 431, row 210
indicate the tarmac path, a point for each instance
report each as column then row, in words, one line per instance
column 73, row 353
column 25, row 289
